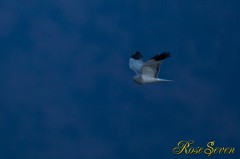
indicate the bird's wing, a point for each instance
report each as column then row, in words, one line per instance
column 135, row 62
column 151, row 68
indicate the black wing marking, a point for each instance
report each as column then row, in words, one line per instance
column 162, row 56
column 156, row 73
column 137, row 55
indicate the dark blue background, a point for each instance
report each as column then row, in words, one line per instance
column 66, row 91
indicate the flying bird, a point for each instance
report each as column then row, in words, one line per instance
column 147, row 72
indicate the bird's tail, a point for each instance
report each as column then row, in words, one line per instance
column 164, row 80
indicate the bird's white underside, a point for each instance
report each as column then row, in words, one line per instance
column 146, row 72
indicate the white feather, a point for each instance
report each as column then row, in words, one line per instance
column 147, row 72
column 136, row 65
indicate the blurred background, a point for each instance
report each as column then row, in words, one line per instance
column 66, row 91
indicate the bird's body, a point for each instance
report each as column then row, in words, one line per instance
column 147, row 72
column 141, row 80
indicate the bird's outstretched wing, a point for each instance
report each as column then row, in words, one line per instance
column 135, row 62
column 151, row 68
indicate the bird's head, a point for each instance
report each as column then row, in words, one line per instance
column 137, row 80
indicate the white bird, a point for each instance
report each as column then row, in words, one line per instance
column 147, row 72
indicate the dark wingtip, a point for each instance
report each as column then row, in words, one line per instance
column 161, row 56
column 137, row 55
